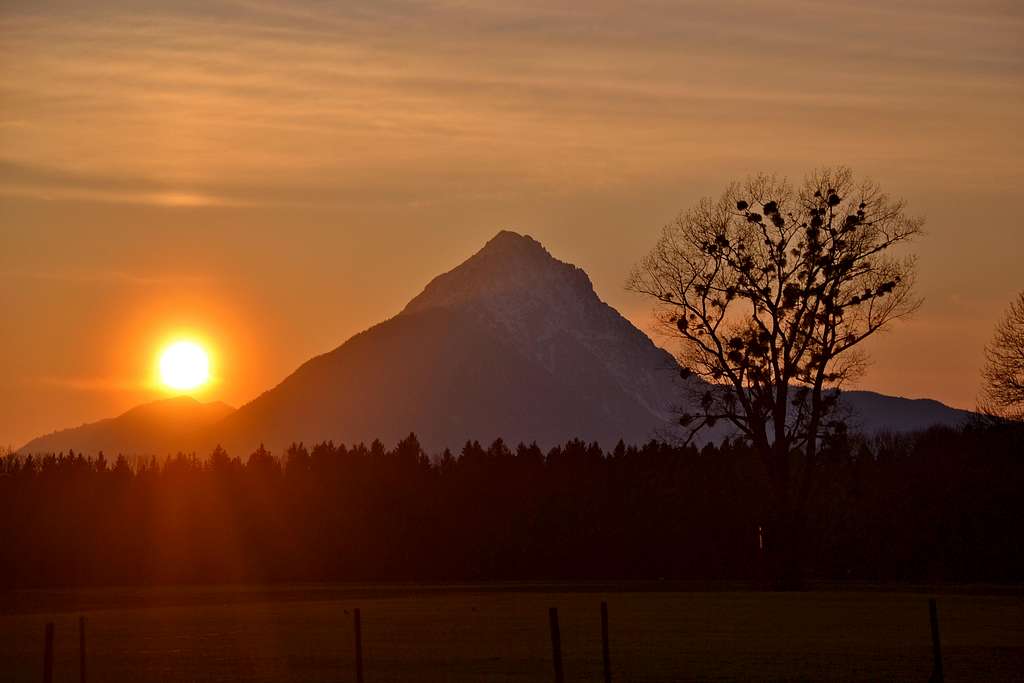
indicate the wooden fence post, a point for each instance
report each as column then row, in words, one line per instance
column 556, row 644
column 606, row 659
column 933, row 614
column 359, row 645
column 48, row 654
column 81, row 649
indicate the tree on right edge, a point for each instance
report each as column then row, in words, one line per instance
column 1003, row 374
column 770, row 289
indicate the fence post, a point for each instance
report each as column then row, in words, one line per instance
column 81, row 649
column 359, row 645
column 933, row 615
column 48, row 654
column 606, row 659
column 556, row 644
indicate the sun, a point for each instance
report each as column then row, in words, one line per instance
column 184, row 365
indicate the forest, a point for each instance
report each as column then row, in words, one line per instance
column 939, row 505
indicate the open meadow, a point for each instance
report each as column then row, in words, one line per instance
column 499, row 632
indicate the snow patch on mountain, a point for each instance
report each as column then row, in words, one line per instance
column 537, row 302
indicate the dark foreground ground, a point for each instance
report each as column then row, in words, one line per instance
column 659, row 632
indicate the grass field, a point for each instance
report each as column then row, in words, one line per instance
column 500, row 633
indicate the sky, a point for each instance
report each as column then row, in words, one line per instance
column 271, row 178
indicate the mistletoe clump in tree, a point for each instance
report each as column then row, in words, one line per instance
column 771, row 288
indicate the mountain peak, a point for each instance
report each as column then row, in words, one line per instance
column 510, row 267
column 511, row 343
column 509, row 243
column 182, row 402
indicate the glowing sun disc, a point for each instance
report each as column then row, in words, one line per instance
column 184, row 365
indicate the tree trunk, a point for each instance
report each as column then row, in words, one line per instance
column 784, row 551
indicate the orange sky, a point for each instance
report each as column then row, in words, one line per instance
column 277, row 177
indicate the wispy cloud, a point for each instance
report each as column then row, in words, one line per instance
column 210, row 104
column 112, row 277
column 40, row 182
column 167, row 199
column 100, row 385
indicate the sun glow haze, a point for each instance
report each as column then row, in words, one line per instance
column 184, row 365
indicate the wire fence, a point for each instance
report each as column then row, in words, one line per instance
column 558, row 671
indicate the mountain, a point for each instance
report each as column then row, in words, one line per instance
column 158, row 427
column 873, row 412
column 512, row 343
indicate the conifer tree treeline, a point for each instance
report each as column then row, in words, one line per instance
column 942, row 504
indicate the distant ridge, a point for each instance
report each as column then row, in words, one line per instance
column 151, row 428
column 512, row 343
column 874, row 412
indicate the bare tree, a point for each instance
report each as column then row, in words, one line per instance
column 1003, row 375
column 770, row 289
